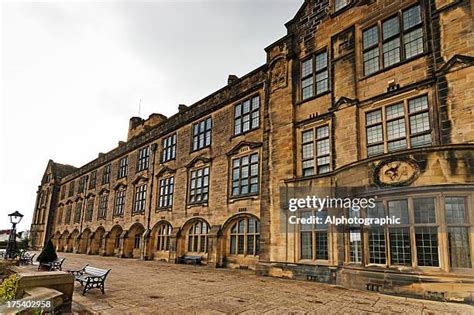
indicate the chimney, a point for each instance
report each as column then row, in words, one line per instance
column 101, row 154
column 182, row 108
column 121, row 143
column 232, row 78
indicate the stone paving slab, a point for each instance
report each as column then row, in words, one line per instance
column 153, row 287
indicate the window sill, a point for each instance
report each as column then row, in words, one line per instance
column 138, row 213
column 391, row 67
column 197, row 204
column 244, row 197
column 200, row 149
column 244, row 133
column 313, row 97
column 163, row 209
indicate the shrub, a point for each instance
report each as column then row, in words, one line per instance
column 48, row 254
column 8, row 289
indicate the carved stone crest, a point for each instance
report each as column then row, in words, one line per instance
column 396, row 172
column 278, row 74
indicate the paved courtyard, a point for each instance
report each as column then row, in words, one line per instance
column 139, row 287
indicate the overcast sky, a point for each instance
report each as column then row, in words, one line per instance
column 73, row 74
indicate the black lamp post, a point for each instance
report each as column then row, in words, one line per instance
column 15, row 218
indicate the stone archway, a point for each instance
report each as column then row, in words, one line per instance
column 112, row 245
column 96, row 241
column 133, row 241
column 193, row 239
column 72, row 240
column 84, row 238
column 160, row 237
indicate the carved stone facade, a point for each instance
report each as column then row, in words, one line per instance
column 366, row 94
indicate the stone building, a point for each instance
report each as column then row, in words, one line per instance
column 373, row 95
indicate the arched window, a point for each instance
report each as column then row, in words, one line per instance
column 163, row 237
column 136, row 241
column 245, row 237
column 117, row 241
column 197, row 237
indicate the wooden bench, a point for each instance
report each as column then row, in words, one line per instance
column 90, row 277
column 196, row 260
column 54, row 265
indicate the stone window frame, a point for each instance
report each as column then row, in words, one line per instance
column 78, row 212
column 139, row 199
column 68, row 216
column 93, row 179
column 467, row 226
column 63, row 192
column 407, row 115
column 103, row 205
column 239, row 115
column 82, row 184
column 60, row 211
column 165, row 192
column 315, row 233
column 401, row 36
column 240, row 156
column 106, row 174
column 120, row 201
column 199, row 164
column 71, row 188
column 316, row 167
column 122, row 167
column 143, row 159
column 195, row 235
column 235, row 234
column 197, row 133
column 441, row 225
column 169, row 144
column 315, row 71
column 163, row 237
column 89, row 209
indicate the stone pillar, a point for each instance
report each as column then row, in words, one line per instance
column 103, row 244
column 214, row 252
column 145, row 253
column 77, row 242
column 123, row 238
column 175, row 252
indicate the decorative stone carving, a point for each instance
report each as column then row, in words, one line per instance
column 278, row 74
column 396, row 172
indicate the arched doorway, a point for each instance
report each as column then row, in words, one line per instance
column 83, row 241
column 194, row 238
column 96, row 241
column 242, row 241
column 160, row 240
column 132, row 244
column 63, row 241
column 112, row 245
column 71, row 240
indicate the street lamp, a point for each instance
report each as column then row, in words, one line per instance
column 15, row 218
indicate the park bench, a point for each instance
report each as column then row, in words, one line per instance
column 91, row 277
column 54, row 265
column 195, row 260
column 26, row 258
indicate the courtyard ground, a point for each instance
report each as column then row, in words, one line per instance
column 138, row 287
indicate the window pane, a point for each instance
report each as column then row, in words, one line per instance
column 397, row 145
column 322, row 132
column 427, row 246
column 355, row 246
column 424, row 210
column 390, row 28
column 371, row 61
column 419, row 123
column 413, row 43
column 458, row 243
column 455, row 210
column 391, row 52
column 396, row 129
column 370, row 37
column 306, row 245
column 307, row 136
column 377, row 246
column 339, row 4
column 374, row 134
column 417, row 104
column 322, row 245
column 411, row 17
column 399, row 209
column 321, row 61
column 400, row 249
column 422, row 140
column 307, row 67
column 322, row 147
column 394, row 111
column 373, row 117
